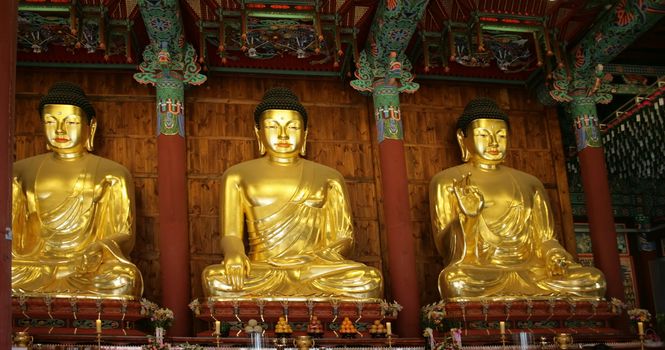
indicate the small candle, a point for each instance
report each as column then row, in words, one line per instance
column 98, row 325
column 640, row 328
column 217, row 327
column 502, row 327
column 389, row 330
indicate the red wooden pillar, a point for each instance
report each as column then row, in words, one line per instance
column 597, row 193
column 169, row 64
column 173, row 215
column 396, row 210
column 173, row 230
column 8, row 15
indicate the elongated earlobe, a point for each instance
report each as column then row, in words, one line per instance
column 90, row 142
column 303, row 149
column 262, row 147
column 460, row 141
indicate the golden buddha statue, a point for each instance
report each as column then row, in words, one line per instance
column 493, row 224
column 72, row 211
column 297, row 216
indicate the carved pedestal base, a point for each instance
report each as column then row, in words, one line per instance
column 60, row 318
column 266, row 313
column 532, row 319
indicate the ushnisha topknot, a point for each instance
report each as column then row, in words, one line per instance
column 280, row 92
column 480, row 108
column 280, row 98
column 66, row 93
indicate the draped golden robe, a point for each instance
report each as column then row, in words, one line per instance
column 72, row 235
column 504, row 253
column 296, row 247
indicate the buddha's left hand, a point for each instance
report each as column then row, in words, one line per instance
column 334, row 251
column 558, row 261
column 329, row 254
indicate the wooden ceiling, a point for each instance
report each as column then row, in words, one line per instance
column 319, row 37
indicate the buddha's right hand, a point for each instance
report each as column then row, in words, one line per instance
column 237, row 267
column 471, row 201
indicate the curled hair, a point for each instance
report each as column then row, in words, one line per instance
column 480, row 108
column 66, row 93
column 280, row 98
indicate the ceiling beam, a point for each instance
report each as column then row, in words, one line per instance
column 614, row 32
column 384, row 56
column 163, row 22
column 649, row 71
column 392, row 29
column 167, row 50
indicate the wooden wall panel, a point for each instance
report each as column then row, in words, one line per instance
column 565, row 218
column 352, row 160
column 363, row 200
column 332, row 123
column 220, row 133
column 211, row 156
column 145, row 191
column 418, row 195
column 218, row 118
column 367, row 247
column 28, row 123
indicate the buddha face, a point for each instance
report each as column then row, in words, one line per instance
column 486, row 141
column 66, row 128
column 282, row 133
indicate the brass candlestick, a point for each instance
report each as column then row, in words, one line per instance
column 642, row 341
column 98, row 329
column 389, row 334
column 216, row 334
column 280, row 343
column 563, row 341
column 22, row 339
column 543, row 343
column 502, row 330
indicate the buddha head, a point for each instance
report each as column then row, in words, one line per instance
column 482, row 132
column 281, row 124
column 68, row 119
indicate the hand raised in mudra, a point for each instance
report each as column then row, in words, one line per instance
column 471, row 201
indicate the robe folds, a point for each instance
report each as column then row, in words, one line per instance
column 72, row 236
column 296, row 247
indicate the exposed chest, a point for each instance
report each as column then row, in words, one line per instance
column 270, row 187
column 56, row 182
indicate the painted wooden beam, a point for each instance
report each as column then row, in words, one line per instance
column 614, row 32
